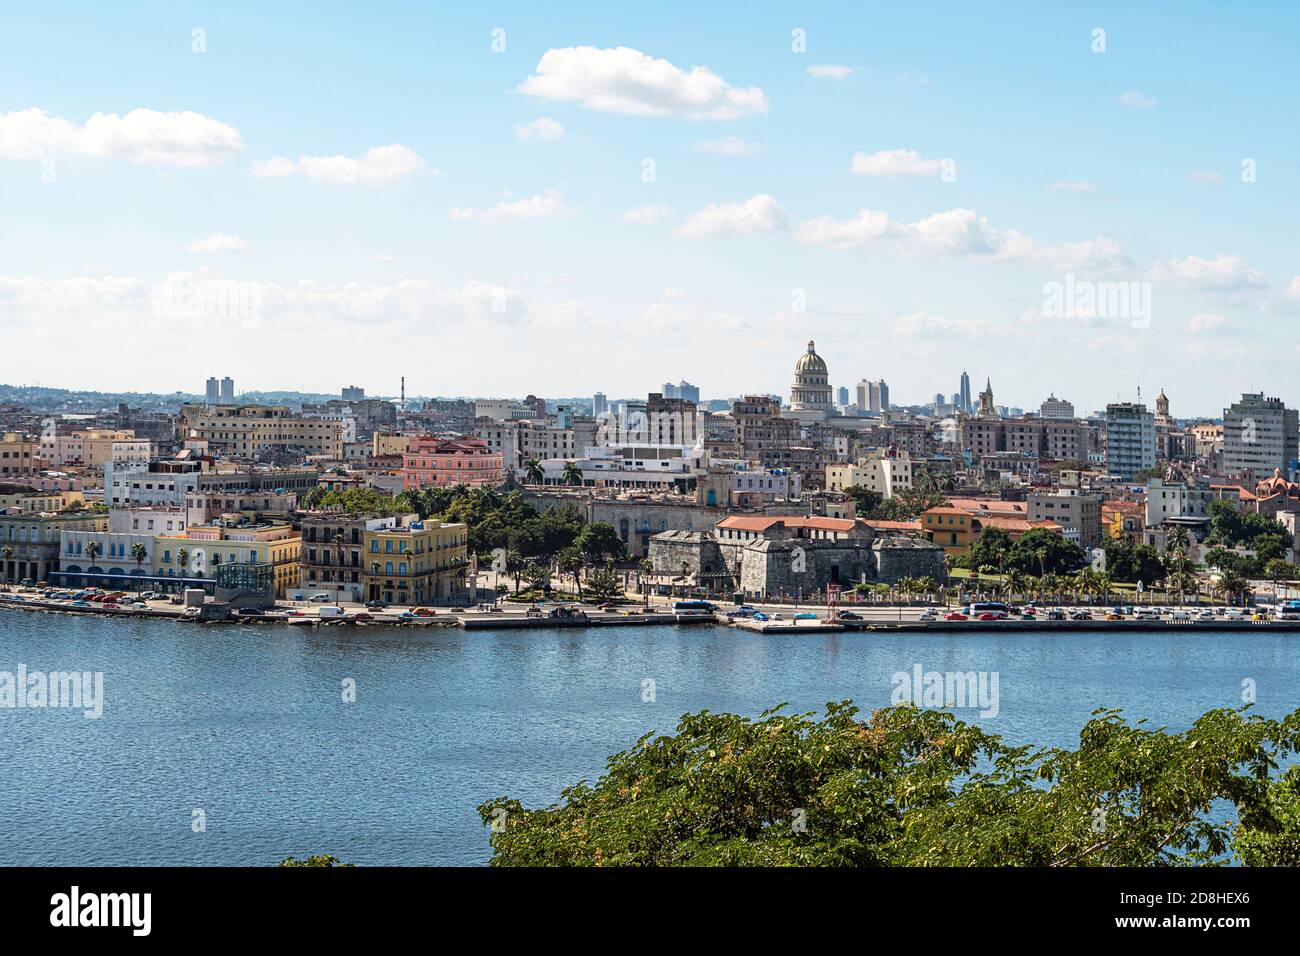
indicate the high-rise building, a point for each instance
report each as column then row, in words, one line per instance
column 842, row 395
column 599, row 404
column 227, row 391
column 353, row 394
column 1130, row 439
column 864, row 395
column 963, row 401
column 1260, row 435
column 214, row 391
column 683, row 389
column 1055, row 407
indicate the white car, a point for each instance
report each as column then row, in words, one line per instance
column 140, row 606
column 1178, row 614
column 1232, row 614
column 1206, row 615
column 928, row 616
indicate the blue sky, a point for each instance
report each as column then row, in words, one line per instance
column 996, row 152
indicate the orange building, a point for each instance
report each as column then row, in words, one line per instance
column 439, row 462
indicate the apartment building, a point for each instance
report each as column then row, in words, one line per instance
column 1260, row 435
column 434, row 462
column 884, row 476
column 1130, row 439
column 415, row 562
column 1078, row 513
column 29, row 543
column 261, row 432
column 19, row 456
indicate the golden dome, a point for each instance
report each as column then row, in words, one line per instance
column 810, row 361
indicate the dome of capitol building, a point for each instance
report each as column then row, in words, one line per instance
column 811, row 389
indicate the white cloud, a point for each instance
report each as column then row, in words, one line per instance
column 895, row 162
column 624, row 80
column 543, row 130
column 647, row 215
column 829, row 71
column 1072, row 186
column 142, row 136
column 1137, row 100
column 758, row 214
column 1222, row 273
column 218, row 242
column 958, row 232
column 730, row 146
column 538, row 206
column 913, row 78
column 377, row 165
column 1212, row 322
column 926, row 325
column 1206, row 176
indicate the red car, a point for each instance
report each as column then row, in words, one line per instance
column 989, row 616
column 954, row 616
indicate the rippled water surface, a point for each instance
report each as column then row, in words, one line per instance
column 248, row 723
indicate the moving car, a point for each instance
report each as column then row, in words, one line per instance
column 925, row 616
column 1206, row 615
column 996, row 608
column 375, row 605
column 1056, row 615
column 855, row 616
column 805, row 616
column 1081, row 616
column 955, row 616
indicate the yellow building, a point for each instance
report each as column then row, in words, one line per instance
column 384, row 446
column 18, row 456
column 200, row 550
column 30, row 501
column 415, row 562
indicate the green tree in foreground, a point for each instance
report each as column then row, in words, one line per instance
column 909, row 787
column 318, row 860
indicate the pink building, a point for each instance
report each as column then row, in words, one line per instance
column 451, row 461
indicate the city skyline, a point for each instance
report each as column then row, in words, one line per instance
column 572, row 190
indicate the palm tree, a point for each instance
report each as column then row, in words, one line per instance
column 1177, row 540
column 1232, row 584
column 6, row 552
column 138, row 553
column 572, row 561
column 533, row 473
column 572, row 473
column 182, row 559
column 92, row 552
column 514, row 565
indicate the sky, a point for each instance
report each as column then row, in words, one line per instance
column 503, row 199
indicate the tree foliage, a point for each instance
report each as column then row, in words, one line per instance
column 910, row 787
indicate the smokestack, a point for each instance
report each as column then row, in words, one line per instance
column 403, row 394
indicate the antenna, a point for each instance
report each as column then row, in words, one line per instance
column 403, row 406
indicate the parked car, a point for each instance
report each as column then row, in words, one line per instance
column 376, row 605
column 760, row 616
column 1056, row 615
column 1233, row 614
column 330, row 611
column 805, row 616
column 1114, row 616
column 321, row 598
column 1206, row 615
column 406, row 616
column 424, row 612
column 1081, row 616
column 1178, row 614
column 140, row 605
